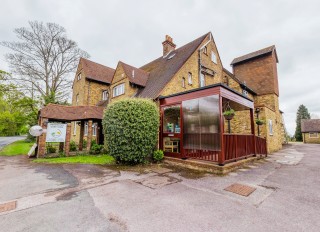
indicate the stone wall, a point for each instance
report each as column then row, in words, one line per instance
column 240, row 124
column 274, row 139
column 307, row 139
column 120, row 78
column 192, row 66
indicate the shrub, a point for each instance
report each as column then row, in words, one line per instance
column 131, row 129
column 93, row 142
column 96, row 149
column 51, row 149
column 158, row 155
column 84, row 143
column 73, row 146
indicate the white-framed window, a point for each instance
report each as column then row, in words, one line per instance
column 86, row 128
column 94, row 129
column 270, row 127
column 79, row 77
column 74, row 128
column 202, row 80
column 313, row 135
column 190, row 78
column 183, row 82
column 77, row 99
column 213, row 57
column 105, row 95
column 118, row 90
column 205, row 50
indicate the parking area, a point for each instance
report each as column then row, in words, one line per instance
column 162, row 198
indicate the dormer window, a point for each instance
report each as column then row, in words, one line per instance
column 183, row 82
column 105, row 95
column 118, row 90
column 79, row 77
column 213, row 57
column 190, row 78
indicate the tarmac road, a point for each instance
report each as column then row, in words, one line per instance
column 10, row 139
column 163, row 198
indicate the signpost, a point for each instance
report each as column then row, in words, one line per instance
column 56, row 132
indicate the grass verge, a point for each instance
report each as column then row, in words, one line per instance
column 81, row 159
column 16, row 148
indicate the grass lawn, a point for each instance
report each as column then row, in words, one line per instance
column 81, row 159
column 17, row 148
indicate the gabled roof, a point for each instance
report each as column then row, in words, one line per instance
column 162, row 69
column 135, row 75
column 310, row 125
column 97, row 72
column 255, row 54
column 71, row 113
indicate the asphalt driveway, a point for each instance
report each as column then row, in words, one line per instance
column 163, row 198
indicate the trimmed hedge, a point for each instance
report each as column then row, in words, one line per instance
column 131, row 129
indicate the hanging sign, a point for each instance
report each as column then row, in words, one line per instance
column 56, row 132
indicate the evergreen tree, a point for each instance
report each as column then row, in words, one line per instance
column 302, row 113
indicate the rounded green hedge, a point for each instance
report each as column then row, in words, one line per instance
column 131, row 129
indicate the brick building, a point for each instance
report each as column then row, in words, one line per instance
column 310, row 129
column 194, row 66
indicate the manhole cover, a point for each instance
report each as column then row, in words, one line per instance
column 243, row 190
column 8, row 206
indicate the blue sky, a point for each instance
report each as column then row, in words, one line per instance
column 132, row 31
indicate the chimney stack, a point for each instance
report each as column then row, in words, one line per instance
column 168, row 45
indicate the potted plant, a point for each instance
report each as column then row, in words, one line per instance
column 228, row 114
column 259, row 122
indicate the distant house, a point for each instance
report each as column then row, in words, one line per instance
column 310, row 129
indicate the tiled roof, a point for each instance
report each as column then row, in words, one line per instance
column 310, row 125
column 162, row 69
column 135, row 75
column 97, row 72
column 71, row 113
column 253, row 55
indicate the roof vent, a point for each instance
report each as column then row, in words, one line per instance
column 133, row 73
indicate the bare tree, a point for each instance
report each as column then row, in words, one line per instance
column 43, row 59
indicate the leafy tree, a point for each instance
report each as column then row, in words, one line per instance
column 17, row 111
column 43, row 59
column 302, row 113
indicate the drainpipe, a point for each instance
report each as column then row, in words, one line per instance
column 210, row 38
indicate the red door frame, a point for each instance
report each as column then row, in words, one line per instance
column 175, row 135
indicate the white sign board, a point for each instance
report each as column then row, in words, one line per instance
column 56, row 132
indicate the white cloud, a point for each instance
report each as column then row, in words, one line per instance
column 132, row 31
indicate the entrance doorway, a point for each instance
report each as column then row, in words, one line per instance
column 171, row 130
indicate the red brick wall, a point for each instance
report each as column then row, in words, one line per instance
column 259, row 73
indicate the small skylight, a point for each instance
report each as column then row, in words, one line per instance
column 171, row 56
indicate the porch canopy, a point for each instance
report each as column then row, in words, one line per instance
column 68, row 114
column 192, row 125
column 71, row 113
